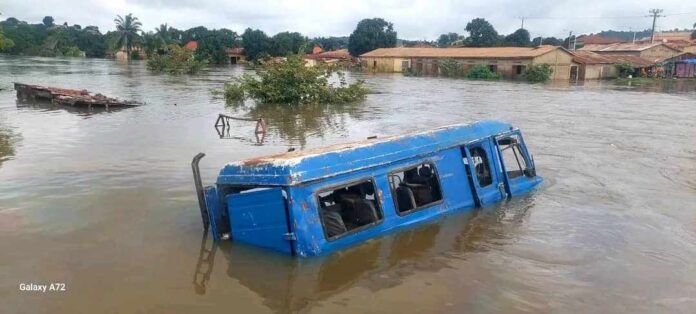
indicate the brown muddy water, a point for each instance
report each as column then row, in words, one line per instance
column 104, row 201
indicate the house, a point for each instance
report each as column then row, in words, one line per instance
column 191, row 45
column 594, row 66
column 596, row 40
column 510, row 62
column 655, row 52
column 681, row 66
column 335, row 56
column 236, row 55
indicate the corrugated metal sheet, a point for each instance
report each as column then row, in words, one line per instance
column 489, row 52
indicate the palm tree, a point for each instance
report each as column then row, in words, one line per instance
column 127, row 29
column 165, row 32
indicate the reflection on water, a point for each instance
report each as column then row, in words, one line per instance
column 293, row 285
column 44, row 105
column 7, row 144
column 295, row 124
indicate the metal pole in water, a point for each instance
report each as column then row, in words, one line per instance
column 199, row 190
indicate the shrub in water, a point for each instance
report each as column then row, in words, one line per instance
column 450, row 68
column 482, row 72
column 177, row 60
column 290, row 81
column 537, row 73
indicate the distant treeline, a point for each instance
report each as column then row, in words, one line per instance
column 50, row 39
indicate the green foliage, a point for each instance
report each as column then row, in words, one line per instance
column 127, row 29
column 553, row 41
column 520, row 38
column 233, row 92
column 256, row 43
column 331, row 43
column 48, row 21
column 447, row 39
column 481, row 34
column 177, row 60
column 292, row 82
column 286, row 43
column 537, row 73
column 5, row 43
column 371, row 34
column 451, row 68
column 625, row 69
column 213, row 44
column 482, row 72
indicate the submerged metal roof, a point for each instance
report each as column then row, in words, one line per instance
column 468, row 52
column 295, row 167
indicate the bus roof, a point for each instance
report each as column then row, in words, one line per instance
column 295, row 167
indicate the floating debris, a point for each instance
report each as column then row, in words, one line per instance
column 69, row 97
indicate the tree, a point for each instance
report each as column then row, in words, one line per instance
column 167, row 34
column 520, row 38
column 371, row 34
column 481, row 33
column 256, row 43
column 212, row 45
column 5, row 43
column 553, row 41
column 48, row 21
column 693, row 34
column 331, row 43
column 127, row 29
column 447, row 39
column 286, row 43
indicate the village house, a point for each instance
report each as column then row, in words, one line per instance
column 510, row 62
column 596, row 40
column 594, row 66
column 655, row 52
column 235, row 55
column 329, row 57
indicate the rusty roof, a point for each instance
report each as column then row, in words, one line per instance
column 341, row 54
column 628, row 47
column 588, row 57
column 597, row 39
column 469, row 52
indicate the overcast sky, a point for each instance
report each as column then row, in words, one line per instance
column 413, row 19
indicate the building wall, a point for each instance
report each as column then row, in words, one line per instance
column 691, row 49
column 600, row 71
column 658, row 52
column 383, row 64
column 560, row 62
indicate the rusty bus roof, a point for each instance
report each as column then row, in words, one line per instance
column 292, row 168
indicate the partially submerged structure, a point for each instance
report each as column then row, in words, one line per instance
column 655, row 52
column 320, row 200
column 70, row 97
column 594, row 66
column 510, row 62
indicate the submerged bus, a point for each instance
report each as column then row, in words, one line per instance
column 315, row 201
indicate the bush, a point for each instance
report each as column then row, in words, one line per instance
column 290, row 81
column 451, row 68
column 625, row 69
column 537, row 73
column 482, row 72
column 233, row 92
column 177, row 60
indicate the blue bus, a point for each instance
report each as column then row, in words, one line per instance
column 315, row 201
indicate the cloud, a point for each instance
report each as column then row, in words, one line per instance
column 413, row 19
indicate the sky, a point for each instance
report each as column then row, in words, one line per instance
column 412, row 19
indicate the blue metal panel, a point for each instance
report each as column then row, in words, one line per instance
column 521, row 184
column 214, row 211
column 302, row 166
column 308, row 226
column 495, row 191
column 259, row 218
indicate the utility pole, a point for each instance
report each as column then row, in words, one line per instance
column 655, row 14
column 570, row 36
column 522, row 18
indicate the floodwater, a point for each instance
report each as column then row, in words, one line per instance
column 104, row 201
